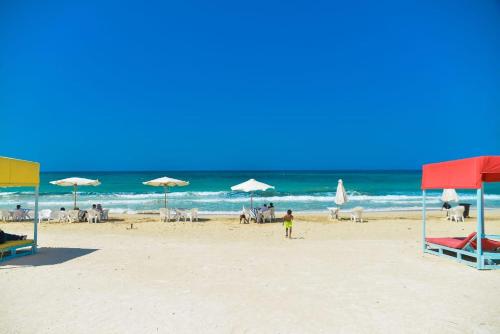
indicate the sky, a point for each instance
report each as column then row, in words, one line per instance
column 222, row 85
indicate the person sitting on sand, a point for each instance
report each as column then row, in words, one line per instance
column 287, row 222
column 18, row 207
column 4, row 237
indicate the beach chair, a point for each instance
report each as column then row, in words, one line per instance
column 44, row 214
column 4, row 215
column 249, row 214
column 63, row 216
column 105, row 214
column 180, row 214
column 457, row 213
column 333, row 213
column 29, row 214
column 192, row 214
column 19, row 215
column 93, row 216
column 164, row 215
column 357, row 214
column 265, row 215
column 73, row 216
column 54, row 216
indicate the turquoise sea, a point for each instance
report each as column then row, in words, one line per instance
column 210, row 191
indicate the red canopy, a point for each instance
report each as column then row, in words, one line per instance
column 461, row 174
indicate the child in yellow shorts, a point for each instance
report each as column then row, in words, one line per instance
column 287, row 222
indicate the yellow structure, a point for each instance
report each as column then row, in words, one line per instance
column 20, row 173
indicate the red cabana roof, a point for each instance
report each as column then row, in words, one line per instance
column 461, row 174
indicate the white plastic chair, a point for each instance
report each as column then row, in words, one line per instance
column 44, row 214
column 357, row 214
column 63, row 216
column 73, row 216
column 105, row 214
column 266, row 215
column 457, row 213
column 4, row 215
column 273, row 213
column 180, row 214
column 19, row 215
column 29, row 214
column 333, row 213
column 54, row 216
column 164, row 215
column 93, row 216
column 192, row 214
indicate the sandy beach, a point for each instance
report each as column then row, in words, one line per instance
column 219, row 276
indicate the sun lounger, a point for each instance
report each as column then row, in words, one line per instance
column 164, row 215
column 487, row 245
column 456, row 243
column 8, row 250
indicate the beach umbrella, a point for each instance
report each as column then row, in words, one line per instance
column 166, row 182
column 251, row 186
column 75, row 182
column 449, row 195
column 341, row 194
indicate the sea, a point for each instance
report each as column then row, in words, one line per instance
column 210, row 191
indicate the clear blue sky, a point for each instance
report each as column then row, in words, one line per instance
column 159, row 85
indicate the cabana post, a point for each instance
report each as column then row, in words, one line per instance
column 20, row 173
column 424, row 219
column 468, row 173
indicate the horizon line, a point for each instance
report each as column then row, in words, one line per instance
column 237, row 170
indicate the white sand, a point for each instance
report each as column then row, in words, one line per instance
column 218, row 276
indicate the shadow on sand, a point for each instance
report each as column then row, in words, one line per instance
column 48, row 256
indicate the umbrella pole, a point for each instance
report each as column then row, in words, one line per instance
column 74, row 197
column 251, row 200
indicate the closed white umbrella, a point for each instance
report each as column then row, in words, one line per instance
column 166, row 182
column 251, row 186
column 449, row 195
column 341, row 194
column 75, row 182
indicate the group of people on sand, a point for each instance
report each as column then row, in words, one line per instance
column 287, row 218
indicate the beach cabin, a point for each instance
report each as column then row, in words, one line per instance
column 469, row 173
column 20, row 173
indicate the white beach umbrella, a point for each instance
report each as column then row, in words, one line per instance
column 449, row 195
column 340, row 195
column 166, row 182
column 75, row 182
column 251, row 186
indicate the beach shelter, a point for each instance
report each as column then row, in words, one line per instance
column 449, row 195
column 251, row 186
column 478, row 249
column 20, row 173
column 75, row 182
column 166, row 182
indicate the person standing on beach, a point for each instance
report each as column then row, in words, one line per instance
column 287, row 222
